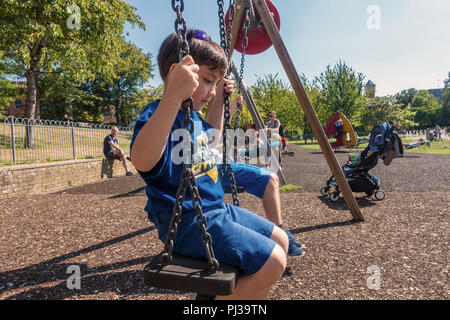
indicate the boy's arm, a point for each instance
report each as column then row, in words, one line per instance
column 149, row 144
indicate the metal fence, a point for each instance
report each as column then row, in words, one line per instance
column 28, row 140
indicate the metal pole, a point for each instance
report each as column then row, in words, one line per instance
column 251, row 106
column 73, row 144
column 13, row 141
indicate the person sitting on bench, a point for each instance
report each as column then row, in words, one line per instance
column 112, row 151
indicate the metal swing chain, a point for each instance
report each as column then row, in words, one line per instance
column 225, row 39
column 244, row 44
column 187, row 176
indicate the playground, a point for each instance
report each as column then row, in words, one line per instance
column 367, row 237
column 103, row 229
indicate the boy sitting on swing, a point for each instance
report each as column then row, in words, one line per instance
column 240, row 238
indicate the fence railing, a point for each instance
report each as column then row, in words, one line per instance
column 406, row 134
column 29, row 140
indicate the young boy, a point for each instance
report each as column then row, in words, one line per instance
column 240, row 238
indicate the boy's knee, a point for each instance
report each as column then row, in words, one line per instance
column 281, row 238
column 274, row 180
column 278, row 262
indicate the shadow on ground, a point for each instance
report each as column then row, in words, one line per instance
column 93, row 280
column 341, row 205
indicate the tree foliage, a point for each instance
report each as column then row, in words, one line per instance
column 381, row 109
column 404, row 98
column 444, row 112
column 133, row 70
column 341, row 87
column 426, row 107
column 271, row 93
column 40, row 36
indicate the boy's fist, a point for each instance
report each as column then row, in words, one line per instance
column 182, row 80
column 226, row 85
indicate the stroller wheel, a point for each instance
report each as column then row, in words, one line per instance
column 325, row 191
column 334, row 196
column 379, row 195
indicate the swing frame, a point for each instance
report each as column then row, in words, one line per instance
column 268, row 22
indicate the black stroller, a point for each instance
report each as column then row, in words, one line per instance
column 384, row 143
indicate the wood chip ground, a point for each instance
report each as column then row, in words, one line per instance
column 103, row 229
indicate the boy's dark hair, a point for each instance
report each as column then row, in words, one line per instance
column 204, row 52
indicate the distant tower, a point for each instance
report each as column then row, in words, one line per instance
column 370, row 89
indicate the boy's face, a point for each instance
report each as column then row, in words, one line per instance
column 206, row 90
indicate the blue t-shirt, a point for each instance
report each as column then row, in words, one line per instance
column 163, row 180
column 106, row 146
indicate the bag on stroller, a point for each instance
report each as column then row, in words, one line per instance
column 384, row 143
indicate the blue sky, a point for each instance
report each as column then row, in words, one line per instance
column 411, row 49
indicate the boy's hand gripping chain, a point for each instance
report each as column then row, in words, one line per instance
column 187, row 176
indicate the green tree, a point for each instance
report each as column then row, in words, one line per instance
column 426, row 107
column 271, row 93
column 132, row 71
column 142, row 98
column 341, row 87
column 381, row 109
column 8, row 90
column 444, row 112
column 405, row 97
column 83, row 38
column 314, row 95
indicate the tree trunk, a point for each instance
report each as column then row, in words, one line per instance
column 30, row 110
column 32, row 76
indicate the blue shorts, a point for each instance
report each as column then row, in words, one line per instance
column 240, row 238
column 253, row 179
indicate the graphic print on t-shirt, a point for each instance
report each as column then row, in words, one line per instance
column 204, row 160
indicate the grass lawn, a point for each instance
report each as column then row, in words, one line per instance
column 290, row 187
column 435, row 147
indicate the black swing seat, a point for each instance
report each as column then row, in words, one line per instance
column 191, row 275
column 228, row 190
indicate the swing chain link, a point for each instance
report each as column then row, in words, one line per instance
column 187, row 176
column 181, row 28
column 225, row 39
column 244, row 45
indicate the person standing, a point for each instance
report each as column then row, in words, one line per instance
column 438, row 133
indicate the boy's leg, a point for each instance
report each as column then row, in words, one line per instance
column 257, row 286
column 272, row 208
column 243, row 239
column 271, row 200
column 266, row 185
